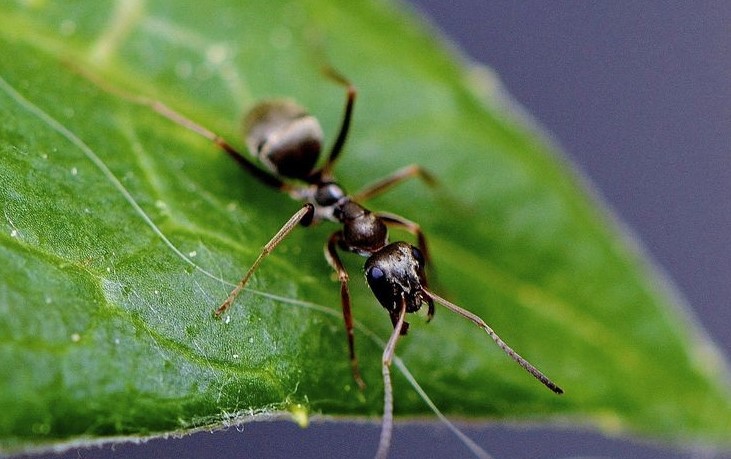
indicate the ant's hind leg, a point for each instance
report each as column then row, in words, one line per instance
column 326, row 171
column 181, row 120
column 333, row 260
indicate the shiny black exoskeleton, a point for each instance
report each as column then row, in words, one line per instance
column 396, row 276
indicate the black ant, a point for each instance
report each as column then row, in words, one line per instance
column 287, row 140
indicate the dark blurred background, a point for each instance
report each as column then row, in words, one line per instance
column 638, row 95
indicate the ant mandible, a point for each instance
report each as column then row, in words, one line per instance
column 287, row 140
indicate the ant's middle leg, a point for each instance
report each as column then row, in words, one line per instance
column 303, row 215
column 333, row 260
column 394, row 179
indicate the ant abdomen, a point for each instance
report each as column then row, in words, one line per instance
column 284, row 137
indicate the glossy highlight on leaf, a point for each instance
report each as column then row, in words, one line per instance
column 121, row 232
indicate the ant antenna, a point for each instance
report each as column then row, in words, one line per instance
column 535, row 372
column 384, row 442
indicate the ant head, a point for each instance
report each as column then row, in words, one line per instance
column 395, row 274
column 284, row 137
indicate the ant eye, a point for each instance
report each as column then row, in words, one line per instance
column 418, row 256
column 375, row 274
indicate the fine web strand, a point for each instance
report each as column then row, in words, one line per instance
column 101, row 165
column 397, row 361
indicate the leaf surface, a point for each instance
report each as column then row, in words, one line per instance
column 122, row 231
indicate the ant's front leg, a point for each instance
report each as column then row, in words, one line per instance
column 333, row 260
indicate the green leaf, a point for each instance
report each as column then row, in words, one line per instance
column 121, row 232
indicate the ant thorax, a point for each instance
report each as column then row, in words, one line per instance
column 363, row 231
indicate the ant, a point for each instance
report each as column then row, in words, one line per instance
column 287, row 141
